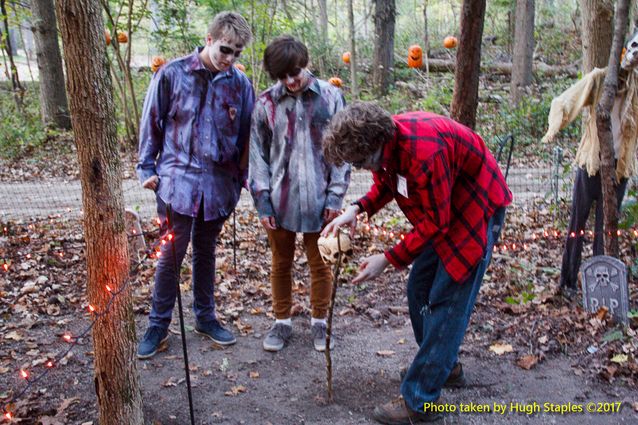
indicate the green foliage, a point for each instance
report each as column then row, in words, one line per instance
column 21, row 131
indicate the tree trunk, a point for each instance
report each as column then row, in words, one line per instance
column 53, row 103
column 542, row 70
column 93, row 118
column 353, row 53
column 7, row 46
column 384, row 18
column 468, row 63
column 603, row 122
column 523, row 49
column 426, row 32
column 597, row 30
column 323, row 21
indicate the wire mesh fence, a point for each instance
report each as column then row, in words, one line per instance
column 550, row 183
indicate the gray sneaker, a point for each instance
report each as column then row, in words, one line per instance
column 319, row 337
column 277, row 337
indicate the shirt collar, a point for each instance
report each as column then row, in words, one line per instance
column 195, row 64
column 279, row 90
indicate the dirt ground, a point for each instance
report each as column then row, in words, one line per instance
column 567, row 351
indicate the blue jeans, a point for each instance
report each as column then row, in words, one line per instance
column 440, row 311
column 203, row 235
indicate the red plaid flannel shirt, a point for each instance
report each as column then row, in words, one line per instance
column 454, row 185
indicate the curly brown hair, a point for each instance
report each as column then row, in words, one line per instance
column 357, row 132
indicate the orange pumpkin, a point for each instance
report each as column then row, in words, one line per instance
column 622, row 54
column 241, row 67
column 415, row 56
column 450, row 42
column 122, row 37
column 346, row 57
column 107, row 36
column 157, row 62
column 336, row 81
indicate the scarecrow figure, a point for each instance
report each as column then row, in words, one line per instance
column 585, row 94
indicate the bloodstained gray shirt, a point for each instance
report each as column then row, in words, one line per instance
column 288, row 175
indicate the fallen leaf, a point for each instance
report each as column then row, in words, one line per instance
column 14, row 336
column 235, row 390
column 620, row 358
column 527, row 362
column 401, row 341
column 601, row 313
column 170, row 382
column 501, row 349
column 385, row 353
column 254, row 375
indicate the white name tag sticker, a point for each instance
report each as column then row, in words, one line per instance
column 402, row 185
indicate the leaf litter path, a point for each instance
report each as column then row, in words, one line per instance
column 244, row 384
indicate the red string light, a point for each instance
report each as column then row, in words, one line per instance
column 67, row 337
column 8, row 415
column 24, row 374
column 91, row 308
column 49, row 364
column 108, row 288
column 5, row 266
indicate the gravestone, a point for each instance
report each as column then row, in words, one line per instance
column 605, row 285
column 134, row 234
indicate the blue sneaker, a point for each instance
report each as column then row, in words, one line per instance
column 215, row 331
column 154, row 339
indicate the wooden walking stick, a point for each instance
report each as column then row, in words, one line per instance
column 326, row 248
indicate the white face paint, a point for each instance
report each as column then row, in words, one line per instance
column 630, row 61
column 294, row 81
column 222, row 53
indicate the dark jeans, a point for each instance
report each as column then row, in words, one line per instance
column 440, row 311
column 586, row 190
column 203, row 235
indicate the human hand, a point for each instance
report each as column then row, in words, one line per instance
column 371, row 268
column 151, row 183
column 349, row 218
column 329, row 215
column 268, row 222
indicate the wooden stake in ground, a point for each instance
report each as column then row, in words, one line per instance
column 335, row 284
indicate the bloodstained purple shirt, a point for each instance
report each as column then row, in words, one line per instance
column 289, row 177
column 194, row 128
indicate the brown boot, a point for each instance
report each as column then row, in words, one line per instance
column 456, row 378
column 396, row 412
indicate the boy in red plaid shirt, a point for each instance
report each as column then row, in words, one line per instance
column 451, row 189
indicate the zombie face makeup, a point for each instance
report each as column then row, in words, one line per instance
column 295, row 80
column 630, row 60
column 222, row 53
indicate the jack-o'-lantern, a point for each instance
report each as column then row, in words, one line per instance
column 122, row 38
column 157, row 62
column 346, row 57
column 415, row 56
column 336, row 81
column 107, row 36
column 450, row 42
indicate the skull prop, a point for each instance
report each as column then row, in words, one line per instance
column 603, row 279
column 329, row 248
column 630, row 60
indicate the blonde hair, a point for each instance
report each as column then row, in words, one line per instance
column 232, row 25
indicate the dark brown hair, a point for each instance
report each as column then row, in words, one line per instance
column 283, row 55
column 357, row 132
column 232, row 25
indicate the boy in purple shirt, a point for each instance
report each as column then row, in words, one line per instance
column 193, row 153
